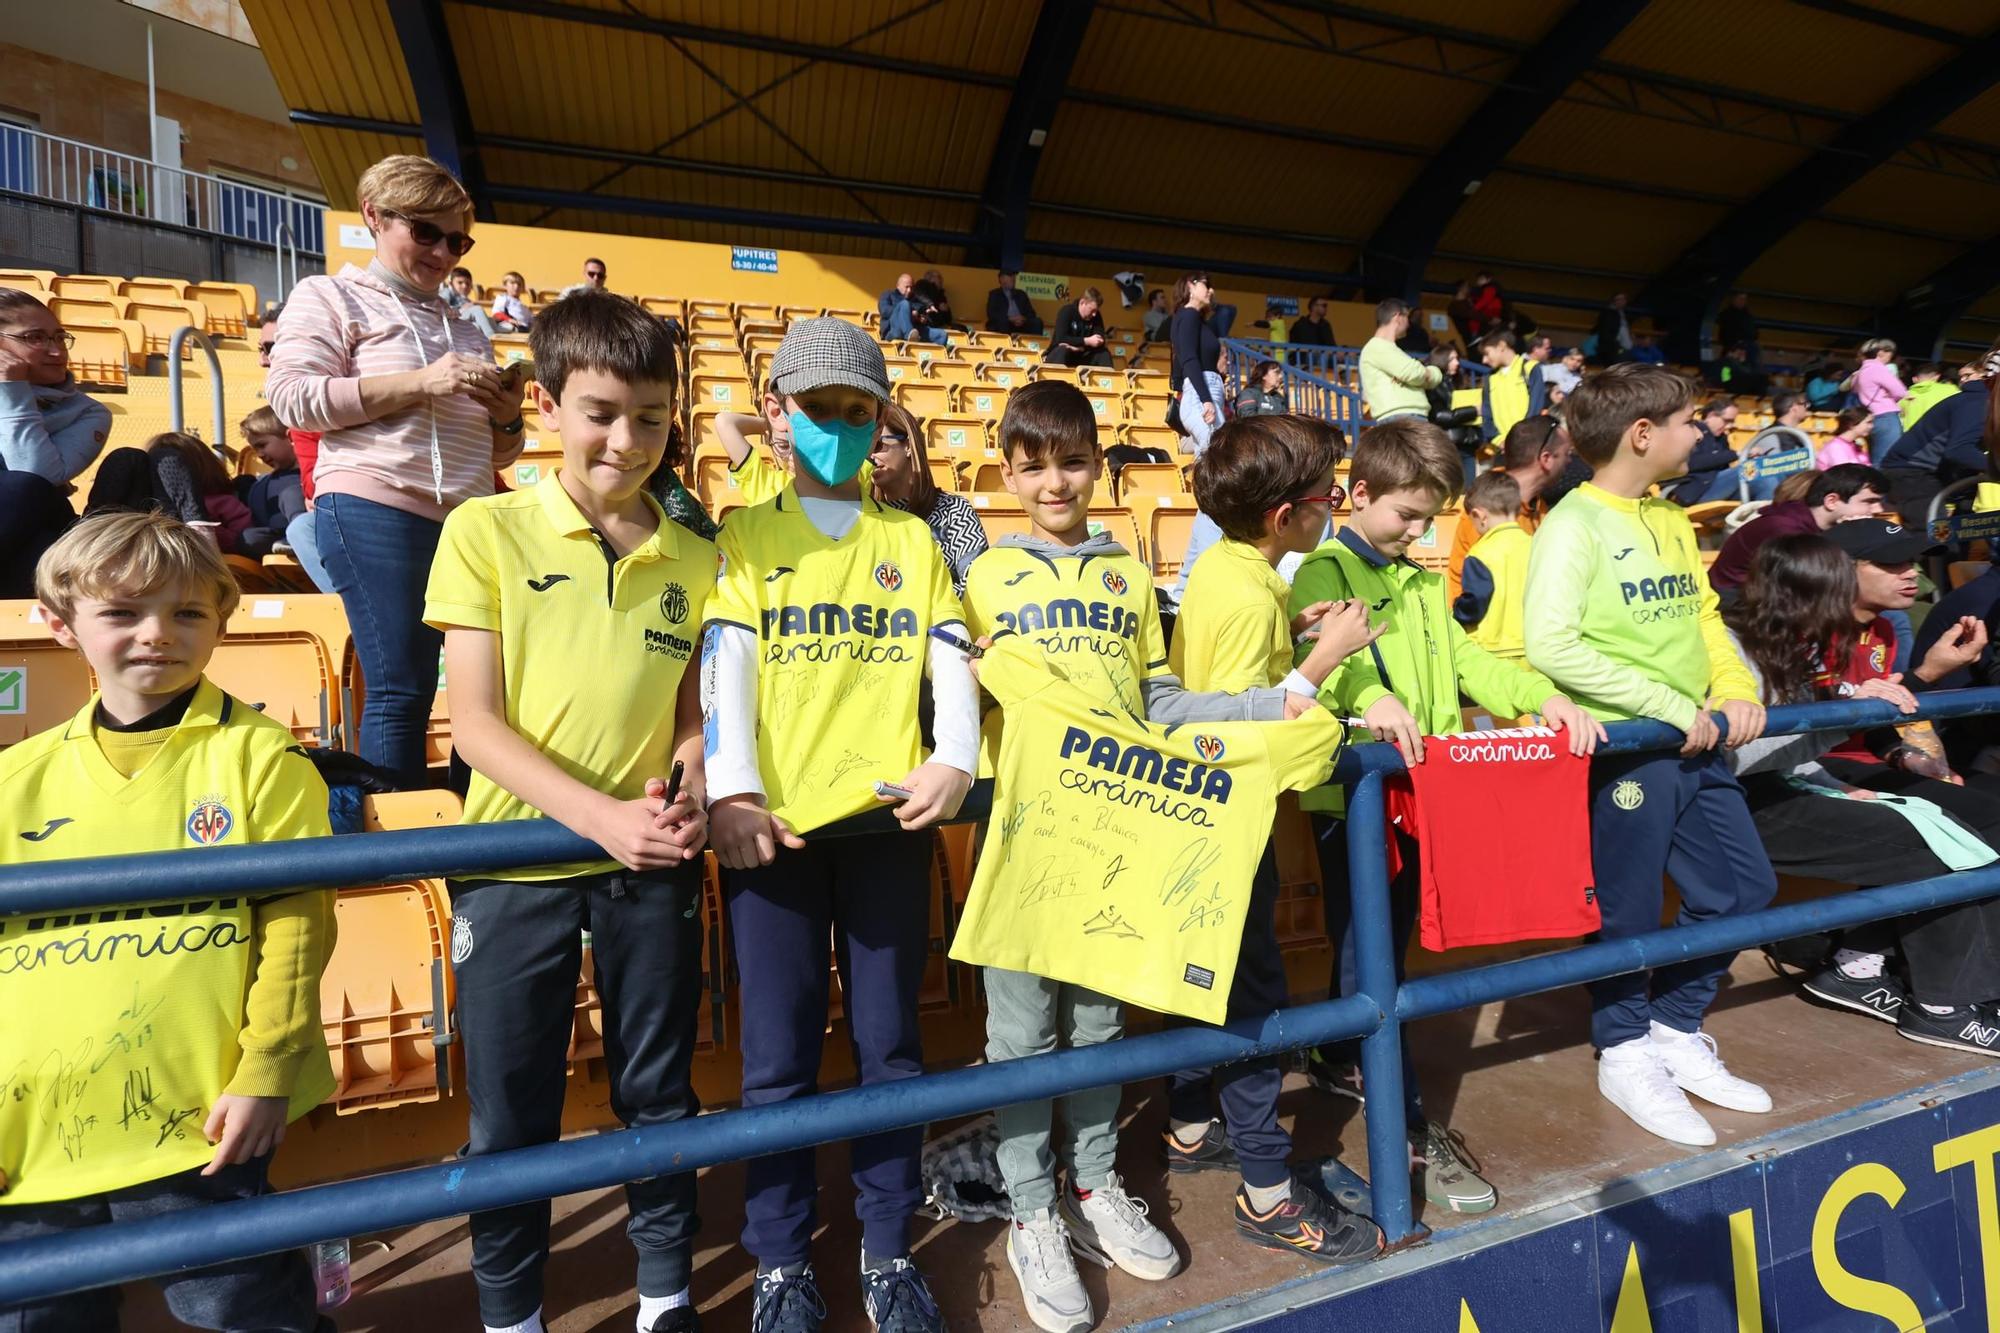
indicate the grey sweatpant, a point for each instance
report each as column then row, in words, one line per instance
column 1028, row 1015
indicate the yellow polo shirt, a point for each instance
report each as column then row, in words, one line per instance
column 1233, row 633
column 592, row 648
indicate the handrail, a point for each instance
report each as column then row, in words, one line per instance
column 174, row 377
column 52, row 1265
column 284, row 234
column 1308, row 394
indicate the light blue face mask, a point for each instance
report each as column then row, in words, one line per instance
column 831, row 451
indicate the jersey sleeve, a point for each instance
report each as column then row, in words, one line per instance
column 1303, row 750
column 734, row 601
column 1500, row 687
column 464, row 587
column 1151, row 647
column 758, row 478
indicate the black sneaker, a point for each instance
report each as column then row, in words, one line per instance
column 680, row 1319
column 1880, row 997
column 1342, row 1078
column 1213, row 1153
column 1311, row 1224
column 1972, row 1028
column 898, row 1301
column 786, row 1300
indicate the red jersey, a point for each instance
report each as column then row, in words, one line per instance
column 1481, row 884
column 1874, row 657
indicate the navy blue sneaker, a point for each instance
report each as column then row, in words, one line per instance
column 786, row 1300
column 898, row 1301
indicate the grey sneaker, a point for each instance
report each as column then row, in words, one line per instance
column 1038, row 1252
column 1449, row 1172
column 1111, row 1227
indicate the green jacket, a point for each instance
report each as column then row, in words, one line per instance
column 1427, row 655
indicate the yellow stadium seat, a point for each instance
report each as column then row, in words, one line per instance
column 227, row 306
column 42, row 683
column 957, row 437
column 27, row 285
column 87, row 309
column 539, row 456
column 712, row 326
column 924, row 398
column 1066, row 374
column 86, row 286
column 715, row 483
column 980, row 400
column 28, row 279
column 1168, row 531
column 705, row 358
column 999, row 515
column 945, row 475
column 1000, row 375
column 952, row 372
column 902, row 368
column 986, row 479
column 755, row 311
column 699, row 308
column 1108, row 405
column 666, row 307
column 1150, row 437
column 102, row 356
column 727, row 393
column 1147, row 406
column 163, row 318
column 173, row 289
column 1150, row 479
column 282, row 655
column 386, row 996
column 1120, row 524
column 788, row 313
column 1433, row 549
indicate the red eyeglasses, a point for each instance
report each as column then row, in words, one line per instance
column 1335, row 499
column 428, row 234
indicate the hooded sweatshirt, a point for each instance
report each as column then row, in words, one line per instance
column 53, row 432
column 425, row 459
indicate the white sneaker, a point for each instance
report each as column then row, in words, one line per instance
column 1632, row 1078
column 1691, row 1059
column 1038, row 1252
column 1111, row 1227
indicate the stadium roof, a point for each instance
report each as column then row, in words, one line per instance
column 1840, row 160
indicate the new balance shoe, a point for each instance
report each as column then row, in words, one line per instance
column 1038, row 1252
column 1111, row 1227
column 1342, row 1078
column 1974, row 1028
column 1210, row 1153
column 1450, row 1176
column 786, row 1300
column 1880, row 997
column 1691, row 1059
column 1310, row 1224
column 1632, row 1078
column 898, row 1301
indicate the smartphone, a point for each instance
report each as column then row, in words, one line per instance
column 514, row 373
column 889, row 791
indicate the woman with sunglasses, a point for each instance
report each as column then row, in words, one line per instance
column 902, row 480
column 50, row 431
column 415, row 419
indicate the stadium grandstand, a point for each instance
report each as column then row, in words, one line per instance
column 228, row 226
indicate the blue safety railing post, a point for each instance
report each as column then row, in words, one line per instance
column 1375, row 972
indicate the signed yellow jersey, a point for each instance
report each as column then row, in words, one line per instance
column 1120, row 853
column 843, row 635
column 120, row 1027
column 1094, row 613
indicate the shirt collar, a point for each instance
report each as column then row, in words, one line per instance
column 568, row 520
column 208, row 708
column 1622, row 503
column 1354, row 542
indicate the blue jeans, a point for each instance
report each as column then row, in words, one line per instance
column 900, row 326
column 1888, row 430
column 379, row 560
column 1728, row 485
column 302, row 535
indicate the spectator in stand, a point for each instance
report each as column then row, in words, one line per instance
column 1809, row 626
column 595, row 275
column 1566, row 373
column 1712, row 473
column 1536, row 454
column 1464, row 315
column 1927, row 390
column 1263, row 396
column 1613, row 333
column 1881, row 391
column 267, row 335
column 1513, row 392
column 1488, row 302
column 198, row 476
column 275, row 498
column 1980, row 599
column 510, row 307
column 902, row 480
column 1837, row 495
column 920, row 316
column 1008, row 309
column 415, row 419
column 885, row 304
column 1735, row 374
column 1541, row 351
column 1850, row 439
column 1394, row 383
column 1156, row 316
column 1970, row 371
column 1416, row 340
column 457, row 293
column 1313, row 329
column 1735, row 326
column 1198, row 371
column 1772, row 454
column 940, row 301
column 1646, row 352
column 1947, row 445
column 50, row 431
column 1078, row 338
column 1823, row 389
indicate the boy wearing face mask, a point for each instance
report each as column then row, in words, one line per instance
column 820, row 640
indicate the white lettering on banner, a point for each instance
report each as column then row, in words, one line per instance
column 1503, row 753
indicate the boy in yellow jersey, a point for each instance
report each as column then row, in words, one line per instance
column 754, row 477
column 1495, row 576
column 1621, row 616
column 570, row 614
column 151, row 1057
column 1090, row 606
column 1268, row 483
column 819, row 642
column 1405, row 688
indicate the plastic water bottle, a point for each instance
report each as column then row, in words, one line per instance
column 330, row 1273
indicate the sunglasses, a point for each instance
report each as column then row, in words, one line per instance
column 428, row 234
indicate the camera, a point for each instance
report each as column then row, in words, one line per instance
column 1461, row 424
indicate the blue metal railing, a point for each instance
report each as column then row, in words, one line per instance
column 1307, row 394
column 51, row 1265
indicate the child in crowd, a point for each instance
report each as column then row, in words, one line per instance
column 1927, row 390
column 1495, row 578
column 582, row 568
column 510, row 307
column 205, row 1051
column 457, row 293
column 196, row 479
column 1268, row 484
column 277, row 496
column 1850, row 439
column 1090, row 605
column 1405, row 471
column 754, row 477
column 1620, row 615
column 819, row 641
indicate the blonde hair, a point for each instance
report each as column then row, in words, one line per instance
column 417, row 186
column 261, row 421
column 125, row 554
